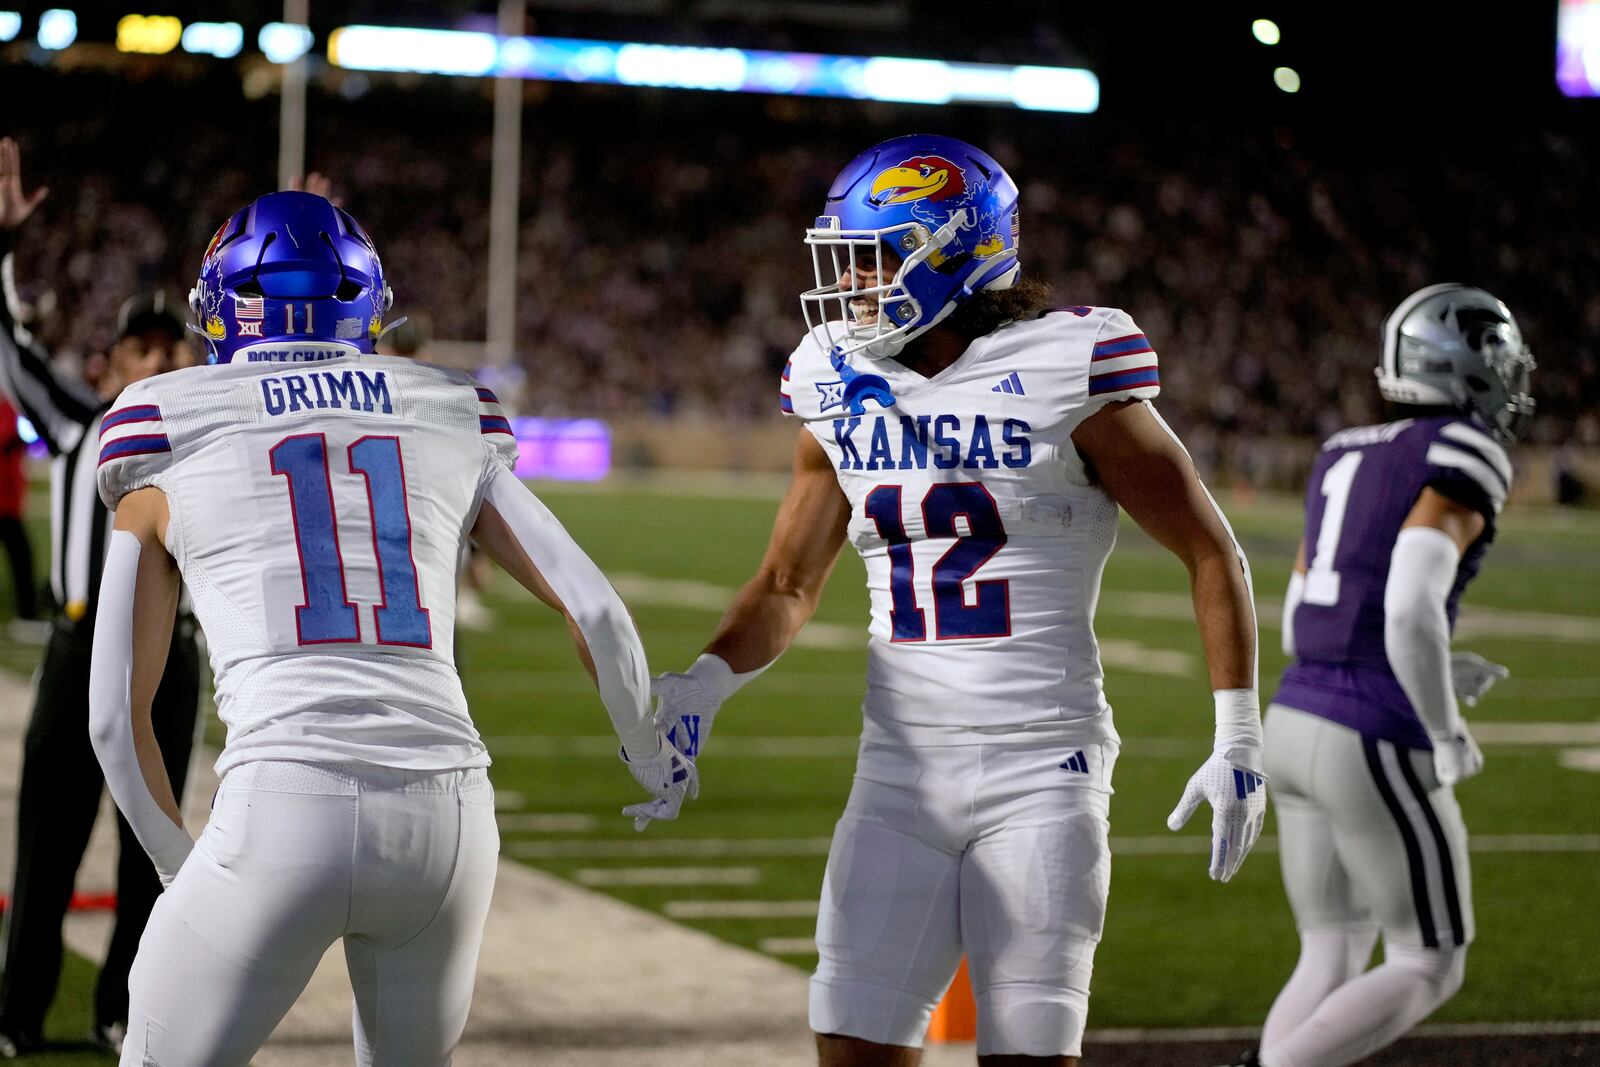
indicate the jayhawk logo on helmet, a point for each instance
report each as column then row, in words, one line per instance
column 936, row 187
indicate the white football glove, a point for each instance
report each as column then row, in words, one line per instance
column 686, row 705
column 668, row 777
column 1238, row 797
column 1232, row 782
column 1471, row 676
column 1458, row 757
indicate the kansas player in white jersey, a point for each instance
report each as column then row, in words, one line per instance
column 973, row 444
column 1366, row 737
column 315, row 499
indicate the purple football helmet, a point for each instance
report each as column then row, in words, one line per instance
column 290, row 277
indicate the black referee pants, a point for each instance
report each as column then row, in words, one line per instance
column 56, row 808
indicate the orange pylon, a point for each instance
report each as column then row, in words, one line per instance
column 956, row 1017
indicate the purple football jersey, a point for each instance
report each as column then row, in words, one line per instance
column 1365, row 482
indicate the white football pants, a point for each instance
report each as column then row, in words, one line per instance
column 1366, row 834
column 1368, row 840
column 399, row 864
column 998, row 850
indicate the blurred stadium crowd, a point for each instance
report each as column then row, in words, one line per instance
column 661, row 254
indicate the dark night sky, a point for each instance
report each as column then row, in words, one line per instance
column 1361, row 62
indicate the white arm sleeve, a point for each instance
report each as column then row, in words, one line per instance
column 599, row 613
column 1291, row 601
column 111, row 712
column 1416, row 631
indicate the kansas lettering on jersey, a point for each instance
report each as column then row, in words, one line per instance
column 317, row 515
column 983, row 538
column 1365, row 482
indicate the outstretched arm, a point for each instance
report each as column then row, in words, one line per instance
column 1142, row 465
column 519, row 533
column 58, row 408
column 133, row 634
column 806, row 538
column 769, row 611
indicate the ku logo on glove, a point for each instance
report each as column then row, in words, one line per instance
column 684, row 735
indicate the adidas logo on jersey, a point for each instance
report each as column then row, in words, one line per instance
column 1010, row 384
column 1076, row 762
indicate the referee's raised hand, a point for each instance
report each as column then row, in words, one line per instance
column 15, row 205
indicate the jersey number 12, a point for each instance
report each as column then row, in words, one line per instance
column 327, row 616
column 953, row 617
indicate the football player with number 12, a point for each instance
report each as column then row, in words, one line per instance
column 974, row 443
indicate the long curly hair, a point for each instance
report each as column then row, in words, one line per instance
column 987, row 311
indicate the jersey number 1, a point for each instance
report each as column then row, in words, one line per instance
column 327, row 616
column 1322, row 581
column 953, row 616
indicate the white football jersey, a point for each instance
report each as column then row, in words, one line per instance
column 318, row 514
column 983, row 536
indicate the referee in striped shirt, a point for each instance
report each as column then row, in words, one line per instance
column 61, row 784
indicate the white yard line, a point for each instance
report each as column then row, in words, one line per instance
column 1476, row 621
column 531, row 684
column 636, row 876
column 1581, row 759
column 1185, row 1035
column 669, row 848
column 741, row 909
column 1121, row 655
column 548, row 823
column 788, row 946
column 1487, row 731
column 739, row 747
column 1187, row 844
column 836, row 746
column 1489, row 844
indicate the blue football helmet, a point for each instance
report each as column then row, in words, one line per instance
column 947, row 210
column 290, row 277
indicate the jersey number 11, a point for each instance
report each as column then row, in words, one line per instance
column 327, row 616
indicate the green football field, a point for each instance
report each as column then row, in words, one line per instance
column 1179, row 949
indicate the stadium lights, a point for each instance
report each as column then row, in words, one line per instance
column 1578, row 49
column 1266, row 31
column 154, row 35
column 58, row 28
column 925, row 81
column 1287, row 79
column 221, row 39
column 10, row 25
column 283, row 42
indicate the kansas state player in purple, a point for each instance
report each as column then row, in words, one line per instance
column 1364, row 739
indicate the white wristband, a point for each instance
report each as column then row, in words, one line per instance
column 713, row 672
column 1238, row 719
